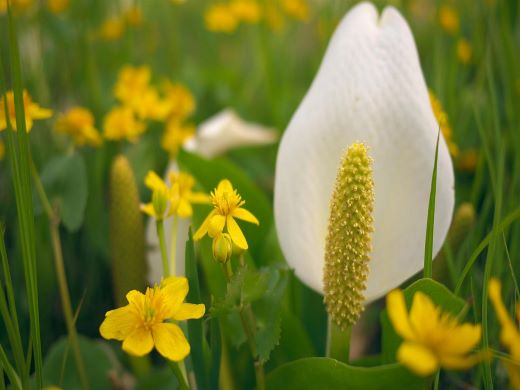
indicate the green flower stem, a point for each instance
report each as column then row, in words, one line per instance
column 338, row 342
column 162, row 244
column 178, row 374
column 173, row 245
column 247, row 318
column 54, row 225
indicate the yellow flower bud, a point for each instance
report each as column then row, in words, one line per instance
column 349, row 235
column 160, row 202
column 222, row 247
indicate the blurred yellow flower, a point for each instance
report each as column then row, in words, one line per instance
column 149, row 320
column 464, row 51
column 131, row 83
column 134, row 16
column 298, row 9
column 432, row 338
column 154, row 182
column 78, row 123
column 181, row 100
column 467, row 161
column 227, row 205
column 247, row 11
column 149, row 105
column 121, row 123
column 162, row 205
column 442, row 119
column 58, row 6
column 2, row 150
column 175, row 135
column 32, row 111
column 111, row 29
column 509, row 334
column 18, row 5
column 449, row 19
column 183, row 183
column 220, row 18
column 274, row 17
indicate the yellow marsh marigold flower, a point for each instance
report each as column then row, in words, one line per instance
column 432, row 338
column 464, row 51
column 2, row 150
column 131, row 82
column 183, row 183
column 467, row 161
column 175, row 135
column 164, row 200
column 227, row 205
column 247, row 11
column 133, row 16
column 220, row 18
column 509, row 334
column 297, row 9
column 32, row 111
column 78, row 123
column 149, row 105
column 349, row 235
column 181, row 101
column 449, row 19
column 121, row 123
column 148, row 320
column 18, row 5
column 111, row 29
column 58, row 6
column 442, row 120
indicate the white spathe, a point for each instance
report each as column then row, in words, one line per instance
column 225, row 131
column 369, row 88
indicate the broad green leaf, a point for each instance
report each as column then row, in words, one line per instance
column 438, row 293
column 60, row 372
column 324, row 373
column 65, row 181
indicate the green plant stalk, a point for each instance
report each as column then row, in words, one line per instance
column 173, row 245
column 162, row 243
column 54, row 225
column 9, row 370
column 19, row 156
column 338, row 342
column 247, row 318
column 178, row 368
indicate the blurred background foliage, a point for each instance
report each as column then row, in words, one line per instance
column 261, row 67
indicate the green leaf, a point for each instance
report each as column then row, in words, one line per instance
column 324, row 373
column 65, row 181
column 428, row 242
column 438, row 293
column 195, row 331
column 62, row 373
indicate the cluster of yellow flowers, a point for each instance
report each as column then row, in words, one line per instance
column 31, row 109
column 450, row 22
column 433, row 339
column 55, row 6
column 225, row 17
column 140, row 102
column 113, row 27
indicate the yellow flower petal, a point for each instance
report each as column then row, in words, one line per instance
column 398, row 315
column 139, row 342
column 198, row 197
column 189, row 311
column 457, row 362
column 417, row 358
column 203, row 229
column 148, row 209
column 184, row 209
column 170, row 341
column 423, row 315
column 225, row 186
column 118, row 323
column 236, row 233
column 174, row 290
column 461, row 339
column 244, row 215
column 216, row 225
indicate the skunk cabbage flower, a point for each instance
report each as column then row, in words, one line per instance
column 226, row 131
column 369, row 89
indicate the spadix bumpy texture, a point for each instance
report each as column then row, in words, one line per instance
column 369, row 89
column 348, row 243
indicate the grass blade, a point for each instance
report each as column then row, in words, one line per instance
column 428, row 244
